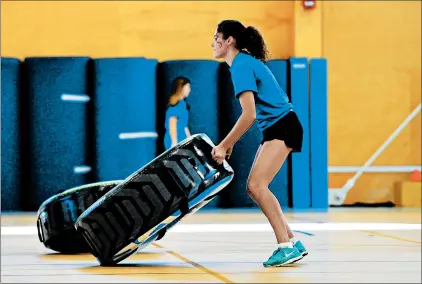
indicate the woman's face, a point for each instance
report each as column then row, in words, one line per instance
column 186, row 90
column 219, row 45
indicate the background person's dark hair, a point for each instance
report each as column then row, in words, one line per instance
column 178, row 83
column 176, row 87
column 248, row 39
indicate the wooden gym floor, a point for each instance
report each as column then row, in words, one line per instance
column 345, row 245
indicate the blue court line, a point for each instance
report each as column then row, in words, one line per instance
column 305, row 233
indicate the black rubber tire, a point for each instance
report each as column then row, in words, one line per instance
column 57, row 215
column 153, row 199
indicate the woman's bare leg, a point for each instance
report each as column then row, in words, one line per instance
column 268, row 161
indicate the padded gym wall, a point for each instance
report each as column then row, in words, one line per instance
column 235, row 194
column 203, row 99
column 318, row 125
column 10, row 135
column 57, row 98
column 245, row 149
column 300, row 162
column 280, row 184
column 125, row 112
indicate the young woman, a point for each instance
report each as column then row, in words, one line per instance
column 177, row 113
column 262, row 99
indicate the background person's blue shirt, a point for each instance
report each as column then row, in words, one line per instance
column 180, row 111
column 251, row 74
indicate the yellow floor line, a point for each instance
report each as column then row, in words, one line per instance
column 197, row 265
column 392, row 237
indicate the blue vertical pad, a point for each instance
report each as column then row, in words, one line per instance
column 300, row 162
column 235, row 194
column 280, row 183
column 203, row 99
column 319, row 132
column 57, row 94
column 10, row 135
column 125, row 112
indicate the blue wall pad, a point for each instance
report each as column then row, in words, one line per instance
column 10, row 135
column 235, row 194
column 125, row 115
column 203, row 99
column 300, row 162
column 280, row 183
column 57, row 94
column 319, row 132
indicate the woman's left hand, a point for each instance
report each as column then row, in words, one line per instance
column 219, row 153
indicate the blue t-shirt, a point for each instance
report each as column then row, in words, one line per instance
column 251, row 74
column 180, row 111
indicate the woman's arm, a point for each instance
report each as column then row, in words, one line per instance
column 244, row 122
column 173, row 130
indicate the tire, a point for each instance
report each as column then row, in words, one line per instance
column 57, row 215
column 153, row 199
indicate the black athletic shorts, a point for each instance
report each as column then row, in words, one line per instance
column 289, row 129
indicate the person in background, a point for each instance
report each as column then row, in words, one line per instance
column 262, row 100
column 177, row 113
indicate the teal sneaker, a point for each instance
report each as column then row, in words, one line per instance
column 283, row 256
column 301, row 248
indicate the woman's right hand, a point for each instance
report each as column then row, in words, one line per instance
column 219, row 153
column 229, row 153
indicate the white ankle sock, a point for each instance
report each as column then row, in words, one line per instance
column 285, row 245
column 293, row 240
